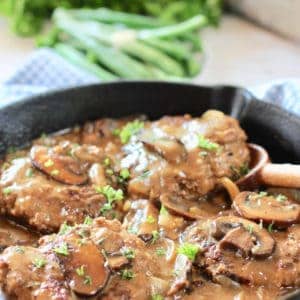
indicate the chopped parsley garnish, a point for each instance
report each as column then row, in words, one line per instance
column 127, row 274
column 39, row 263
column 106, row 161
column 62, row 249
column 163, row 211
column 145, row 174
column 64, row 228
column 80, row 271
column 49, row 163
column 160, row 251
column 29, row 172
column 87, row 280
column 124, row 173
column 281, row 198
column 6, row 191
column 250, row 228
column 155, row 236
column 19, row 249
column 189, row 250
column 88, row 220
column 244, row 169
column 54, row 172
column 150, row 219
column 111, row 196
column 206, row 144
column 128, row 253
column 203, row 153
column 129, row 130
column 157, row 297
column 109, row 171
column 270, row 227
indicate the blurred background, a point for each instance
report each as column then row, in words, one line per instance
column 240, row 42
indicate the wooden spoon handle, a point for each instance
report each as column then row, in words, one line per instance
column 283, row 175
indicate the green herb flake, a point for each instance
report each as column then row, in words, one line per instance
column 29, row 173
column 109, row 171
column 49, row 163
column 19, row 249
column 160, row 251
column 189, row 250
column 111, row 196
column 129, row 130
column 281, row 198
column 250, row 228
column 127, row 274
column 87, row 280
column 39, row 263
column 155, row 236
column 163, row 211
column 6, row 191
column 128, row 253
column 116, row 132
column 54, row 172
column 145, row 174
column 64, row 228
column 106, row 162
column 270, row 227
column 157, row 297
column 124, row 173
column 203, row 153
column 80, row 271
column 150, row 219
column 207, row 144
column 62, row 249
column 88, row 220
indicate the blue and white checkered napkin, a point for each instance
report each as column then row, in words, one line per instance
column 45, row 70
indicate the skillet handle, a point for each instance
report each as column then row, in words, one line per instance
column 281, row 175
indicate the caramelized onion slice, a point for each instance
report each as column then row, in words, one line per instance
column 263, row 243
column 62, row 168
column 269, row 208
column 85, row 268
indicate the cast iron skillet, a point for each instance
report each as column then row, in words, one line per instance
column 266, row 124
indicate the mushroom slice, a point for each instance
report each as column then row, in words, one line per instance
column 170, row 149
column 192, row 209
column 116, row 262
column 263, row 243
column 85, row 267
column 182, row 270
column 269, row 208
column 62, row 168
column 238, row 238
column 142, row 219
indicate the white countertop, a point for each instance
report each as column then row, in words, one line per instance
column 237, row 52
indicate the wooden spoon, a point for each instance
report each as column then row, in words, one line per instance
column 262, row 171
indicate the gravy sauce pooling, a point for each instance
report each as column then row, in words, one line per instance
column 135, row 209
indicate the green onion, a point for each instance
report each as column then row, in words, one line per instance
column 80, row 271
column 129, row 130
column 189, row 250
column 39, row 263
column 128, row 253
column 127, row 274
column 62, row 249
column 204, row 143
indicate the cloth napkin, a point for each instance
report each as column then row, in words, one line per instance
column 45, row 70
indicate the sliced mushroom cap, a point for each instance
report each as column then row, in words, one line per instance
column 170, row 149
column 203, row 208
column 142, row 219
column 238, row 238
column 85, row 267
column 263, row 243
column 62, row 168
column 270, row 209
